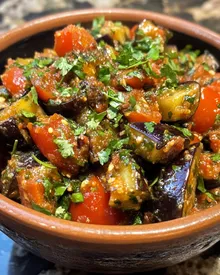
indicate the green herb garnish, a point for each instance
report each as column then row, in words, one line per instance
column 77, row 197
column 45, row 164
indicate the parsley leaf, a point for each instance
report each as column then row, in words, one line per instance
column 45, row 164
column 149, row 126
column 95, row 119
column 64, row 147
column 41, row 209
column 47, row 188
column 202, row 189
column 104, row 75
column 215, row 157
column 104, row 156
column 97, row 24
column 34, row 95
column 63, row 65
column 62, row 213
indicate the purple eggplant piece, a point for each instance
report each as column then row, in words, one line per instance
column 174, row 193
column 106, row 38
column 66, row 108
column 212, row 184
column 9, row 132
column 160, row 143
column 158, row 134
column 8, row 182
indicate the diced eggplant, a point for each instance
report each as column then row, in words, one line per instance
column 25, row 104
column 8, row 183
column 94, row 91
column 157, row 143
column 66, row 106
column 128, row 188
column 174, row 193
column 106, row 38
column 179, row 104
column 209, row 170
column 10, row 131
column 36, row 188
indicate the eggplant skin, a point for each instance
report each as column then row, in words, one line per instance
column 180, row 103
column 174, row 193
column 8, row 182
column 160, row 145
column 66, row 108
column 9, row 132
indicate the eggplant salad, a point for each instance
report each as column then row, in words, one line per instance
column 113, row 125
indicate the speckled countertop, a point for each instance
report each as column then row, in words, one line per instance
column 13, row 259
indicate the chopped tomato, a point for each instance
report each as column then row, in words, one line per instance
column 205, row 115
column 73, row 38
column 214, row 139
column 31, row 187
column 95, row 209
column 15, row 81
column 133, row 31
column 45, row 136
column 45, row 84
column 138, row 83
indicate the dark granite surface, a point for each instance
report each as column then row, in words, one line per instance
column 13, row 259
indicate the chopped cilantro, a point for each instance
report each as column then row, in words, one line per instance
column 149, row 126
column 137, row 74
column 202, row 189
column 95, row 119
column 112, row 146
column 206, row 67
column 34, row 95
column 190, row 99
column 215, row 157
column 137, row 220
column 41, row 209
column 14, row 149
column 104, row 75
column 97, row 24
column 62, row 213
column 154, row 53
column 63, row 65
column 132, row 101
column 64, row 146
column 104, row 156
column 43, row 163
column 59, row 191
column 67, row 91
column 186, row 132
column 27, row 114
column 47, row 188
column 77, row 197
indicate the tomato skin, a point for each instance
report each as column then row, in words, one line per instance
column 133, row 31
column 95, row 208
column 205, row 115
column 138, row 83
column 73, row 38
column 45, row 84
column 14, row 81
column 43, row 137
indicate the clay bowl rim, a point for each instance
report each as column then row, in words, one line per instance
column 187, row 227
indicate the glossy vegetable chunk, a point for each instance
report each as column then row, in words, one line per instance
column 208, row 109
column 55, row 139
column 94, row 207
column 209, row 169
column 157, row 143
column 73, row 38
column 128, row 188
column 179, row 103
column 175, row 190
column 32, row 188
column 26, row 107
column 15, row 81
column 19, row 160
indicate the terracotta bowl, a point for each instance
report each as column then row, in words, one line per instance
column 95, row 247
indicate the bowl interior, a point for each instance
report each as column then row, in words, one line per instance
column 37, row 42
